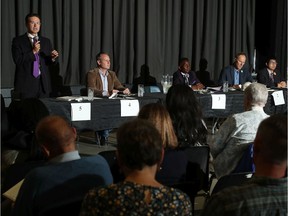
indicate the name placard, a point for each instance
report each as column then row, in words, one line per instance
column 80, row 111
column 129, row 108
column 278, row 98
column 218, row 101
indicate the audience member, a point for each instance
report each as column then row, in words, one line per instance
column 32, row 55
column 139, row 157
column 184, row 76
column 145, row 78
column 236, row 74
column 186, row 115
column 66, row 177
column 104, row 82
column 173, row 167
column 203, row 75
column 266, row 192
column 270, row 76
column 238, row 130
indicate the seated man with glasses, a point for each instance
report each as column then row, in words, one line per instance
column 269, row 75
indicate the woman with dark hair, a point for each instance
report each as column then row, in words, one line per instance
column 139, row 152
column 186, row 115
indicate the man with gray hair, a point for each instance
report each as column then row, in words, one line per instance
column 238, row 131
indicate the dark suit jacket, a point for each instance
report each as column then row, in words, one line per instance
column 94, row 81
column 179, row 79
column 25, row 84
column 263, row 77
column 48, row 186
column 227, row 74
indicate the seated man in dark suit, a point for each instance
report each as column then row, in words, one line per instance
column 269, row 75
column 184, row 76
column 236, row 74
column 66, row 178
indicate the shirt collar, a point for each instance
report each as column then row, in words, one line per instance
column 185, row 74
column 101, row 74
column 31, row 36
column 68, row 156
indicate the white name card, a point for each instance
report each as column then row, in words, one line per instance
column 129, row 107
column 80, row 111
column 218, row 101
column 278, row 97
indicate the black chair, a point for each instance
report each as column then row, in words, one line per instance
column 111, row 159
column 70, row 208
column 197, row 173
column 246, row 164
column 230, row 180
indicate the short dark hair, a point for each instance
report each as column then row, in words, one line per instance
column 270, row 58
column 182, row 60
column 98, row 56
column 240, row 53
column 139, row 144
column 31, row 15
column 273, row 135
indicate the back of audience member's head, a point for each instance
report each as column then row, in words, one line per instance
column 55, row 135
column 270, row 144
column 157, row 114
column 186, row 115
column 256, row 94
column 138, row 145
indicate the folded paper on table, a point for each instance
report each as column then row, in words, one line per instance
column 70, row 98
column 12, row 193
column 217, row 88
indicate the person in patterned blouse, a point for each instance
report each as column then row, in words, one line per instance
column 140, row 153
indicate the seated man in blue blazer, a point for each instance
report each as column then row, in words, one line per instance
column 66, row 178
column 235, row 74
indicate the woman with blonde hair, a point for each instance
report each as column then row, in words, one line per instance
column 173, row 167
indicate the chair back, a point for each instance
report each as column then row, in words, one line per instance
column 246, row 164
column 233, row 179
column 197, row 173
column 111, row 159
column 198, row 166
column 152, row 89
column 70, row 208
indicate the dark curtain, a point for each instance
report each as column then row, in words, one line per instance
column 271, row 33
column 135, row 32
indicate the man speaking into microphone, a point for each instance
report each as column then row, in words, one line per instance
column 32, row 54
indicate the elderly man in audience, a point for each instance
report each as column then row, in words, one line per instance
column 66, row 178
column 266, row 192
column 239, row 130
